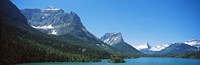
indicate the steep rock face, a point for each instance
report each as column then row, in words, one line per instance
column 112, row 38
column 54, row 21
column 116, row 41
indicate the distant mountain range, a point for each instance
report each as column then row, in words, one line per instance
column 177, row 48
column 188, row 46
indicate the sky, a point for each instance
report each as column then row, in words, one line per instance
column 157, row 22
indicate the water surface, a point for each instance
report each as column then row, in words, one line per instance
column 138, row 61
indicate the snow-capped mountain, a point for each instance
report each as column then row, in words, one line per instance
column 53, row 20
column 188, row 46
column 142, row 47
column 193, row 42
column 148, row 49
column 178, row 48
column 183, row 47
column 116, row 41
column 158, row 47
column 112, row 38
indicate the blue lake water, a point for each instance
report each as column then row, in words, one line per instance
column 138, row 61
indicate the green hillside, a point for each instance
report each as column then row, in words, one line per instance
column 21, row 44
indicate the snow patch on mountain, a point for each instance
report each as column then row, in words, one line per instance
column 159, row 48
column 150, row 48
column 54, row 32
column 44, row 27
column 193, row 42
column 51, row 8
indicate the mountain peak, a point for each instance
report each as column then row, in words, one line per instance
column 115, row 39
column 51, row 8
column 73, row 16
column 193, row 39
column 147, row 44
column 72, row 13
column 112, row 38
column 193, row 42
column 144, row 46
column 114, row 33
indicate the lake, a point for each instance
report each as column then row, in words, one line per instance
column 138, row 61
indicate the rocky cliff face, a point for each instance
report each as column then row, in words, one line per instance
column 116, row 41
column 54, row 21
column 112, row 38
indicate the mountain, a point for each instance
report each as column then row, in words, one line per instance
column 143, row 47
column 178, row 48
column 147, row 49
column 188, row 46
column 193, row 42
column 150, row 48
column 158, row 47
column 20, row 43
column 166, row 49
column 184, row 47
column 112, row 38
column 55, row 21
column 116, row 41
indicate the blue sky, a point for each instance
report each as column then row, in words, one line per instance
column 140, row 21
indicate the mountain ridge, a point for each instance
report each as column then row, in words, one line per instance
column 161, row 49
